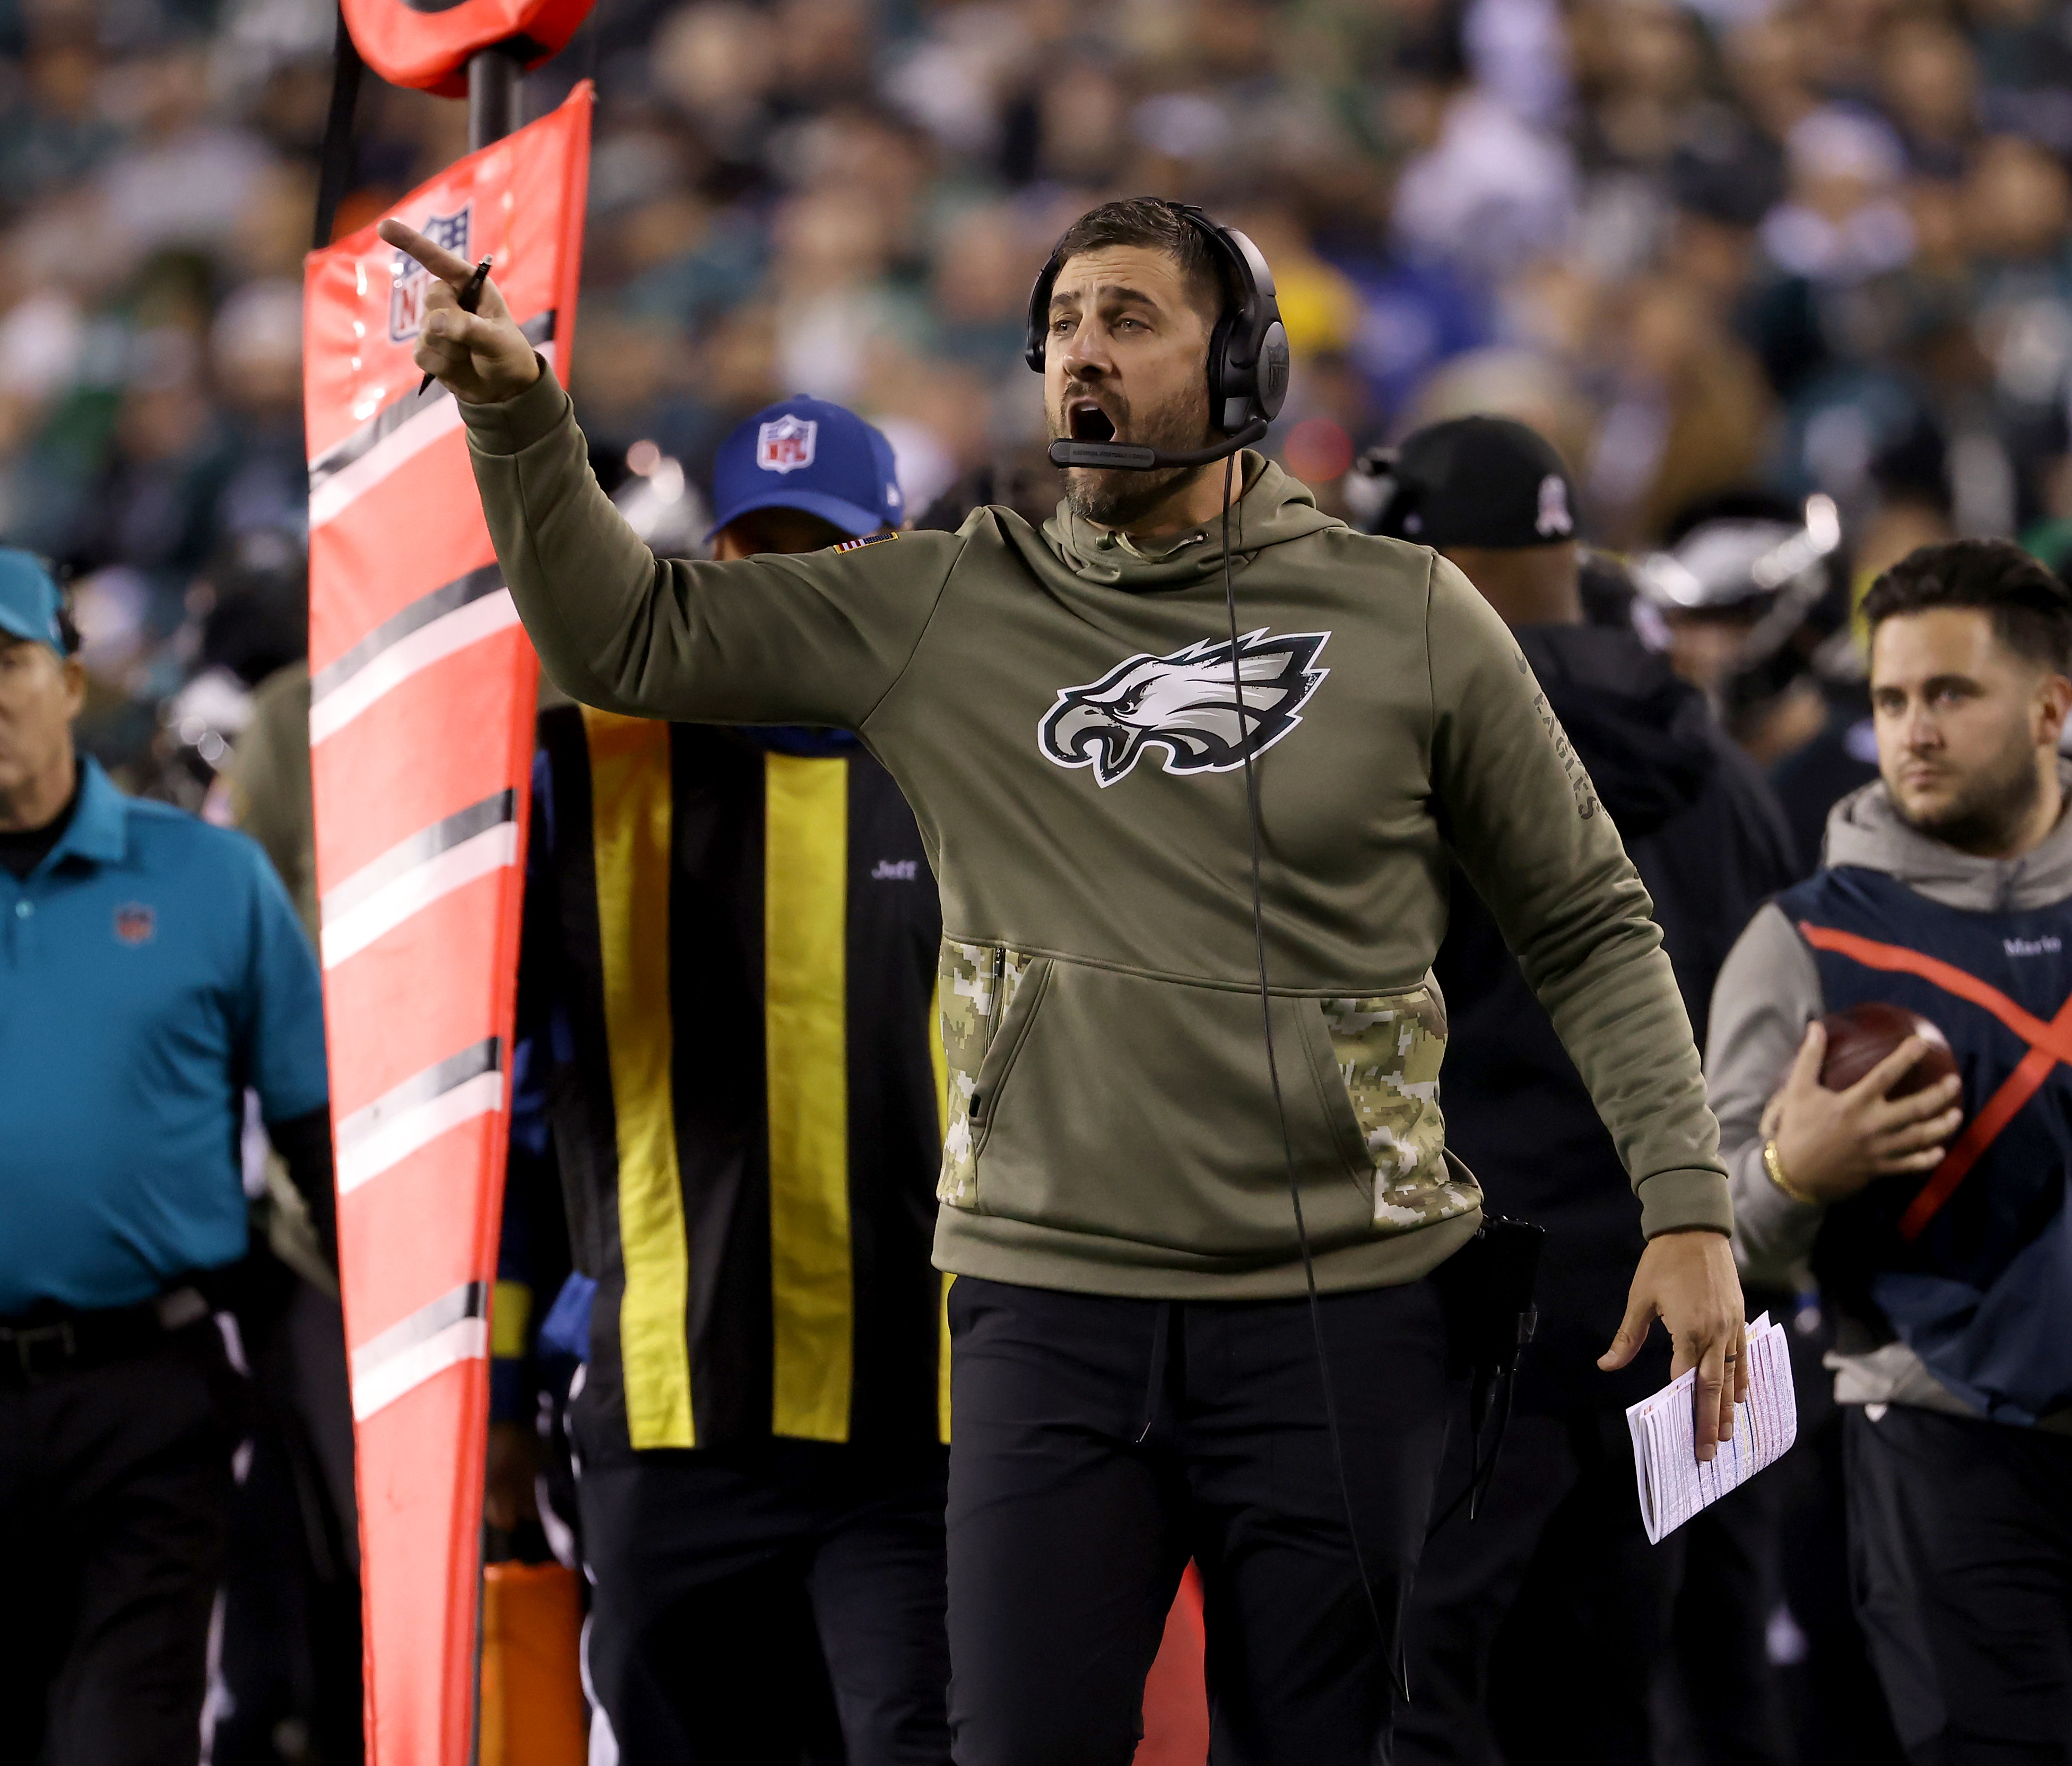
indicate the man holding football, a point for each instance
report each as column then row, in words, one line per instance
column 1943, row 1244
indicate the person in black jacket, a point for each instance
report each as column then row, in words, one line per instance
column 1545, row 1613
column 727, row 1052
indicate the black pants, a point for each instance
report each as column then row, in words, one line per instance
column 1099, row 1443
column 1545, row 1614
column 1728, row 1695
column 1960, row 1538
column 115, row 1501
column 714, row 1570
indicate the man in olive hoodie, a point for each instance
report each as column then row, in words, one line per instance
column 1135, row 1380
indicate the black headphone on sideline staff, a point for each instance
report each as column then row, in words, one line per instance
column 1248, row 356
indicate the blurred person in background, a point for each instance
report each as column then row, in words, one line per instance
column 256, row 355
column 153, row 970
column 291, row 1650
column 1511, row 1613
column 726, row 979
column 264, row 787
column 1734, row 598
column 1686, row 415
column 1947, row 1255
column 1911, row 509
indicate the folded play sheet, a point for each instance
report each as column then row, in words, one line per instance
column 1674, row 1484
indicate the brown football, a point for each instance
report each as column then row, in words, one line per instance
column 1859, row 1037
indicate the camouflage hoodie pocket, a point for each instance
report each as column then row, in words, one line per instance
column 978, row 984
column 1389, row 1049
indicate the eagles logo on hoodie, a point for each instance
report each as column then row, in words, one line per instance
column 1183, row 703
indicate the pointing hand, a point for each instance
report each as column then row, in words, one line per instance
column 481, row 357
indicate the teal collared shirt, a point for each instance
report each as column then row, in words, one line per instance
column 151, row 968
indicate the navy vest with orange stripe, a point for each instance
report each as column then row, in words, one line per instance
column 1972, row 1266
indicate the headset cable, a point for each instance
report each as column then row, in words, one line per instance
column 1255, row 827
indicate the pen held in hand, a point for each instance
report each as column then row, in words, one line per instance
column 470, row 297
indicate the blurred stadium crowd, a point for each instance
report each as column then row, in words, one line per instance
column 1814, row 247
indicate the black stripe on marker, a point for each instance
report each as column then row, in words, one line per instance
column 469, row 1300
column 448, row 598
column 420, row 848
column 436, row 1080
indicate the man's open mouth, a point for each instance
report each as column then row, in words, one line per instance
column 1089, row 422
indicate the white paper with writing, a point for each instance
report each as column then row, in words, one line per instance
column 1675, row 1484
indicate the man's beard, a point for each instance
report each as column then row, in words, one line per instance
column 1985, row 813
column 1118, row 500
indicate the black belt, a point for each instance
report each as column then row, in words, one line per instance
column 41, row 1346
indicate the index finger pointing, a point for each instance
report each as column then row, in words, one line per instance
column 435, row 257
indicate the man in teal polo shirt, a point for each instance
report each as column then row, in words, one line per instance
column 151, row 970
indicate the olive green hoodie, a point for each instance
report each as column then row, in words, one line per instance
column 1057, row 708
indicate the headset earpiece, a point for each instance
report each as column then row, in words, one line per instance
column 1036, row 335
column 1249, row 359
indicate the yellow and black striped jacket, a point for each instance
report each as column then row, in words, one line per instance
column 731, row 949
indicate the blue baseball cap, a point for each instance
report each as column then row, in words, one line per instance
column 29, row 599
column 809, row 454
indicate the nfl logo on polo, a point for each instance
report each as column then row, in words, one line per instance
column 786, row 445
column 135, row 922
column 406, row 292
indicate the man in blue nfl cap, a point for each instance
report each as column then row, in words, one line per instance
column 799, row 476
column 151, row 971
column 743, row 922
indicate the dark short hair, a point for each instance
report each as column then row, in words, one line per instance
column 2030, row 607
column 1147, row 221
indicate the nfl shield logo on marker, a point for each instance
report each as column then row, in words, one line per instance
column 406, row 293
column 786, row 445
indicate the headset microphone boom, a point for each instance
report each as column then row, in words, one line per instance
column 1128, row 457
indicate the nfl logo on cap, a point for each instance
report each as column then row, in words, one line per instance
column 807, row 454
column 787, row 445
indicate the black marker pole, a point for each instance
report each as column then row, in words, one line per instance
column 495, row 89
column 495, row 86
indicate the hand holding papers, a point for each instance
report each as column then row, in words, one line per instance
column 1675, row 1483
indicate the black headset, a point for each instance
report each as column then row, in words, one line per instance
column 1248, row 353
